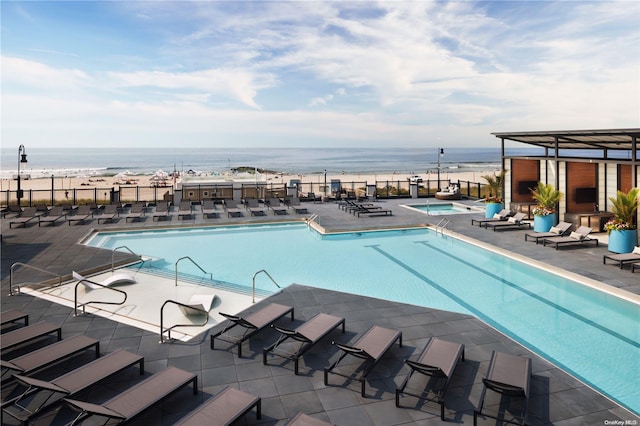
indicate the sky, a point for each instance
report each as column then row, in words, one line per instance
column 167, row 74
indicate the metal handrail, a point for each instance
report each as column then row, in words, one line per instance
column 168, row 330
column 192, row 261
column 253, row 294
column 32, row 267
column 113, row 254
column 442, row 225
column 75, row 296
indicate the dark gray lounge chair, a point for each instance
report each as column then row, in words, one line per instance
column 13, row 315
column 294, row 203
column 55, row 214
column 26, row 406
column 135, row 400
column 29, row 363
column 31, row 332
column 251, row 324
column 185, row 210
column 438, row 361
column 162, row 211
column 373, row 211
column 500, row 216
column 623, row 258
column 254, row 207
column 232, row 208
column 13, row 210
column 561, row 229
column 209, row 209
column 136, row 213
column 508, row 376
column 275, row 206
column 305, row 336
column 223, row 409
column 302, row 419
column 109, row 213
column 579, row 236
column 28, row 215
column 81, row 214
column 370, row 347
column 514, row 222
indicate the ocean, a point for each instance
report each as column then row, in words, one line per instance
column 45, row 162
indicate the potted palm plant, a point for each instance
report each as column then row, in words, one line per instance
column 494, row 201
column 544, row 214
column 622, row 228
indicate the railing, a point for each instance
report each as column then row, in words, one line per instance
column 442, row 225
column 113, row 254
column 192, row 261
column 75, row 296
column 31, row 267
column 253, row 294
column 312, row 218
column 168, row 330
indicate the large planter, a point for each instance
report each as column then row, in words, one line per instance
column 492, row 208
column 623, row 241
column 543, row 223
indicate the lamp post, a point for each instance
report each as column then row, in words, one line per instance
column 440, row 156
column 325, row 183
column 22, row 159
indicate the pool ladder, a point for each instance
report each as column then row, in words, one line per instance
column 442, row 225
column 24, row 265
column 83, row 305
column 262, row 271
column 312, row 218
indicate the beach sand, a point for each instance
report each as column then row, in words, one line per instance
column 145, row 182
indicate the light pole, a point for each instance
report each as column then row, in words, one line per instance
column 22, row 159
column 440, row 156
column 325, row 183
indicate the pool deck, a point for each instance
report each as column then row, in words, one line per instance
column 557, row 398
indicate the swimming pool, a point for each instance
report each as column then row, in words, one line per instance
column 589, row 333
column 437, row 209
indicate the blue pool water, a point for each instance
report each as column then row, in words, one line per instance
column 589, row 333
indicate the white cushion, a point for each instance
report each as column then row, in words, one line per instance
column 555, row 230
column 512, row 220
column 636, row 250
column 576, row 236
column 497, row 216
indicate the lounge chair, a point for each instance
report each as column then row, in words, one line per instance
column 135, row 400
column 438, row 361
column 162, row 211
column 254, row 207
column 232, row 208
column 81, row 214
column 373, row 211
column 224, row 408
column 13, row 315
column 199, row 304
column 561, row 229
column 55, row 214
column 13, row 210
column 67, row 385
column 294, row 203
column 185, row 210
column 28, row 215
column 109, row 213
column 509, row 376
column 116, row 279
column 42, row 208
column 28, row 333
column 579, row 236
column 370, row 347
column 136, row 213
column 276, row 207
column 635, row 266
column 31, row 362
column 305, row 337
column 623, row 258
column 209, row 209
column 515, row 221
column 500, row 216
column 252, row 324
column 302, row 419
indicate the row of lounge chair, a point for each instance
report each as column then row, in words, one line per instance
column 358, row 208
column 508, row 375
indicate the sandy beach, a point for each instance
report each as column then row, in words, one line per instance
column 146, row 182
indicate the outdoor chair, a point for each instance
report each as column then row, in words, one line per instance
column 292, row 344
column 81, row 214
column 209, row 209
column 232, row 208
column 254, row 208
column 302, row 419
column 437, row 361
column 276, row 207
column 12, row 315
column 55, row 214
column 136, row 213
column 109, row 213
column 185, row 210
column 500, row 216
column 516, row 221
column 294, row 203
column 579, row 236
column 26, row 216
column 29, row 333
column 508, row 376
column 623, row 258
column 370, row 348
column 561, row 229
column 251, row 324
column 162, row 211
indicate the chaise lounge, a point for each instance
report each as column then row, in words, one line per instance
column 135, row 400
column 305, row 337
column 623, row 258
column 370, row 347
column 28, row 333
column 81, row 214
column 561, row 229
column 509, row 377
column 26, row 216
column 516, row 221
column 579, row 236
column 438, row 361
column 251, row 324
column 55, row 214
column 223, row 409
column 502, row 215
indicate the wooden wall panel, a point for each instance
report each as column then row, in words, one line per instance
column 580, row 175
column 523, row 170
